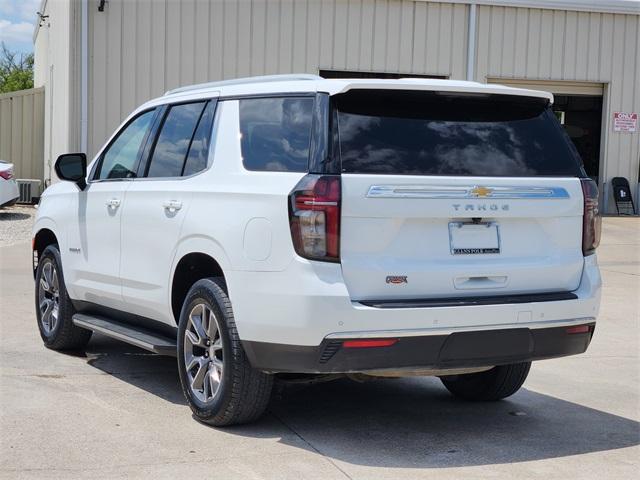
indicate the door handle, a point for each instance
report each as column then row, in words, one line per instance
column 113, row 203
column 172, row 205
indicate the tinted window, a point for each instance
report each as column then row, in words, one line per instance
column 119, row 161
column 425, row 133
column 173, row 142
column 199, row 150
column 275, row 133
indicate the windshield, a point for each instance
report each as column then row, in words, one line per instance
column 431, row 133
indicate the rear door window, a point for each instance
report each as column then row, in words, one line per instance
column 430, row 133
column 174, row 140
column 197, row 158
column 276, row 133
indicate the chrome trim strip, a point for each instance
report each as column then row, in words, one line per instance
column 421, row 332
column 466, row 192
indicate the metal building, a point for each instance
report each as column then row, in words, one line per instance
column 100, row 59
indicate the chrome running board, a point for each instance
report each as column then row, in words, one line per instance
column 139, row 337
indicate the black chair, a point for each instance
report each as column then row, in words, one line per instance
column 622, row 196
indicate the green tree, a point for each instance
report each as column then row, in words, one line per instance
column 16, row 70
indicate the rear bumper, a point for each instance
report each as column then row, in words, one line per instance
column 9, row 192
column 308, row 303
column 465, row 349
column 9, row 203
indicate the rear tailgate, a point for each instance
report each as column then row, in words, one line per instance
column 450, row 195
column 407, row 237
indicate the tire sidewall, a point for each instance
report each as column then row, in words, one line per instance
column 51, row 254
column 202, row 292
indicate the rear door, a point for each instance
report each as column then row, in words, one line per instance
column 448, row 196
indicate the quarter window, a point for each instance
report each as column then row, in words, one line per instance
column 276, row 133
column 121, row 157
column 170, row 152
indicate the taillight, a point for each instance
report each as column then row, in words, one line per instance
column 7, row 174
column 314, row 217
column 591, row 220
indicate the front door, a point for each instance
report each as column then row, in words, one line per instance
column 93, row 271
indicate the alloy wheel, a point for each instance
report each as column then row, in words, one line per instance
column 203, row 353
column 49, row 297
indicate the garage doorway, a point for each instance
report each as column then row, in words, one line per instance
column 578, row 106
column 581, row 116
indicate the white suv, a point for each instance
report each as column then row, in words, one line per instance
column 293, row 227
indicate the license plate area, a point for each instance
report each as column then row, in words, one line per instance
column 468, row 238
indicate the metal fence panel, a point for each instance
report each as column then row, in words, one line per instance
column 22, row 131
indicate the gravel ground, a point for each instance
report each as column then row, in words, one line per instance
column 15, row 224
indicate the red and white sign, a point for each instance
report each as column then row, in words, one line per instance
column 625, row 122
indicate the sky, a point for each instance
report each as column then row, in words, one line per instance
column 17, row 21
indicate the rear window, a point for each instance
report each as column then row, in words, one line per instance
column 431, row 133
column 170, row 151
column 197, row 158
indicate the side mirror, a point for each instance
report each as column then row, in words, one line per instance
column 73, row 168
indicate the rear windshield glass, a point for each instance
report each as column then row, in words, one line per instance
column 429, row 133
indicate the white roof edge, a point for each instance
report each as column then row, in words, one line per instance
column 341, row 86
column 631, row 7
column 244, row 81
column 297, row 83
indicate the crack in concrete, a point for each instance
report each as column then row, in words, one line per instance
column 292, row 430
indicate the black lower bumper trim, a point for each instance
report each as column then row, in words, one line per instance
column 456, row 350
column 470, row 301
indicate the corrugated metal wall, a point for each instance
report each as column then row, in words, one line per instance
column 56, row 68
column 22, row 131
column 141, row 49
column 559, row 45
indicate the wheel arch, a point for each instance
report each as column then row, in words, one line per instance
column 41, row 240
column 196, row 259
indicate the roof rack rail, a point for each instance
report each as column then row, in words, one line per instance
column 246, row 80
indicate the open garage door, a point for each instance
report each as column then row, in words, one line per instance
column 578, row 106
column 557, row 88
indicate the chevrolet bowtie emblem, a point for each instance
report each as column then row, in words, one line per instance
column 481, row 191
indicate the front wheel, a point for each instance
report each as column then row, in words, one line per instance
column 54, row 310
column 495, row 384
column 218, row 381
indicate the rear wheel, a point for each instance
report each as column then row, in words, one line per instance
column 218, row 381
column 54, row 309
column 495, row 384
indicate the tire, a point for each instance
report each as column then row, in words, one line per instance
column 495, row 384
column 219, row 383
column 54, row 310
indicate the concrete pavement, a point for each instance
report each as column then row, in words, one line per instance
column 118, row 412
